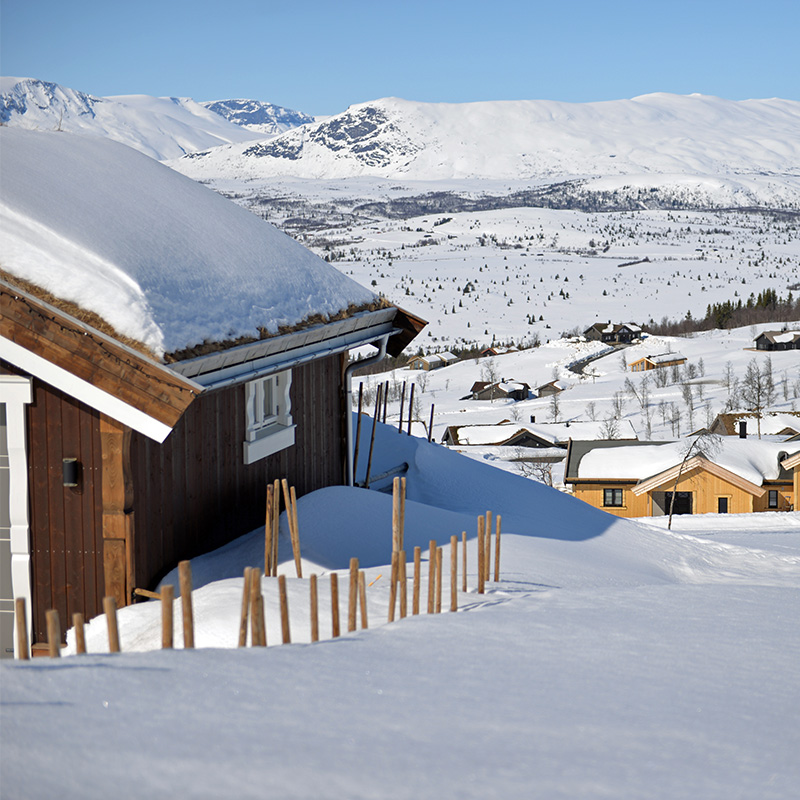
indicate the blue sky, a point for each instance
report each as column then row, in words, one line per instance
column 319, row 57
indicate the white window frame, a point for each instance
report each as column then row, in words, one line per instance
column 268, row 430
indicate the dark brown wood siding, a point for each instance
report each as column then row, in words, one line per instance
column 194, row 493
column 65, row 523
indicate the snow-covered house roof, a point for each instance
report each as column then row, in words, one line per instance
column 752, row 460
column 780, row 337
column 554, row 434
column 161, row 258
column 773, row 423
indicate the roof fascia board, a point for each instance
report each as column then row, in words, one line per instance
column 82, row 390
column 286, row 358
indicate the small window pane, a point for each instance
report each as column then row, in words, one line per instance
column 722, row 505
column 773, row 498
column 612, row 497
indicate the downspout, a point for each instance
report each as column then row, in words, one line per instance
column 348, row 400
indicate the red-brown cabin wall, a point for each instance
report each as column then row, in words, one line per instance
column 194, row 492
column 65, row 523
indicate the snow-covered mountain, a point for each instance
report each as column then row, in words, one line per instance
column 539, row 140
column 160, row 127
column 258, row 116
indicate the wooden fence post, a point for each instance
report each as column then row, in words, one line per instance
column 402, row 408
column 403, row 580
column 284, row 600
column 258, row 631
column 80, row 633
column 53, row 633
column 110, row 609
column 481, row 553
column 276, row 520
column 430, row 426
column 334, row 604
column 362, row 593
column 417, row 580
column 431, row 575
column 411, row 407
column 402, row 537
column 167, row 624
column 352, row 607
column 488, row 542
column 463, row 561
column 295, row 529
column 393, row 584
column 454, row 573
column 439, row 559
column 395, row 515
column 497, row 551
column 372, row 435
column 268, row 534
column 314, row 608
column 385, row 401
column 185, row 578
column 243, row 617
column 21, row 617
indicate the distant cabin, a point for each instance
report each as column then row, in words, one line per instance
column 778, row 340
column 613, row 333
column 548, row 389
column 432, row 361
column 507, row 390
column 657, row 362
column 637, row 479
column 497, row 351
column 772, row 423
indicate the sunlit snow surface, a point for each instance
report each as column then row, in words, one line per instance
column 612, row 660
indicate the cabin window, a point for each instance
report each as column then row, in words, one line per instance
column 612, row 498
column 722, row 505
column 268, row 425
column 773, row 498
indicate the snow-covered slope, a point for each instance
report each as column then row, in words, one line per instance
column 255, row 115
column 164, row 260
column 160, row 127
column 537, row 139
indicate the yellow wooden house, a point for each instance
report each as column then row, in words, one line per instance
column 657, row 362
column 638, row 479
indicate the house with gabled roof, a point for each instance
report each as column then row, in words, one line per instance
column 432, row 361
column 613, row 332
column 164, row 354
column 660, row 361
column 772, row 423
column 778, row 340
column 639, row 479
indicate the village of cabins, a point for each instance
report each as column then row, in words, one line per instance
column 165, row 354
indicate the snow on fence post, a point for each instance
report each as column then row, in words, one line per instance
column 481, row 552
column 243, row 618
column 268, row 534
column 23, row 648
column 417, row 571
column 284, row 601
column 167, row 624
column 463, row 561
column 393, row 584
column 314, row 609
column 497, row 551
column 454, row 573
column 185, row 578
column 53, row 633
column 402, row 579
column 488, row 542
column 110, row 609
column 439, row 559
column 431, row 574
column 362, row 593
column 334, row 604
column 352, row 607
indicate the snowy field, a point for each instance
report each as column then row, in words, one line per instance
column 613, row 659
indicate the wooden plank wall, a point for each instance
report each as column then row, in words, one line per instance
column 194, row 493
column 66, row 527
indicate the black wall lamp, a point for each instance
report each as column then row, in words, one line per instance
column 70, row 471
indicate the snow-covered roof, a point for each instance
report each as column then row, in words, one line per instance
column 666, row 358
column 161, row 258
column 554, row 433
column 753, row 460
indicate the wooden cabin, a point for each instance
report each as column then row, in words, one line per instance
column 500, row 390
column 778, row 340
column 432, row 361
column 637, row 479
column 613, row 332
column 660, row 361
column 548, row 389
column 115, row 462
